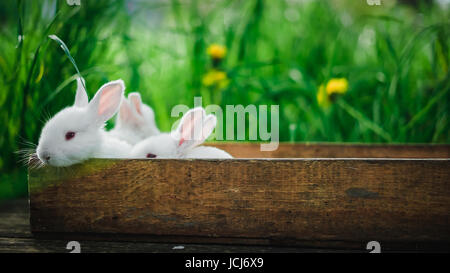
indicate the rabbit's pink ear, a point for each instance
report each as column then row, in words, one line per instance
column 106, row 101
column 208, row 126
column 136, row 102
column 190, row 129
column 125, row 111
column 81, row 97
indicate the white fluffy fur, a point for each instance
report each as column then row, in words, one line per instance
column 87, row 121
column 135, row 120
column 195, row 127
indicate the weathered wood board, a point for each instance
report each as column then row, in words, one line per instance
column 336, row 150
column 312, row 202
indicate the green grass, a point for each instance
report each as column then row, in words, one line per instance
column 395, row 57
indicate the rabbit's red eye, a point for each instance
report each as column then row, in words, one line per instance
column 70, row 135
column 151, row 156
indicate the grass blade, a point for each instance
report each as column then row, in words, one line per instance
column 364, row 120
column 67, row 52
column 431, row 103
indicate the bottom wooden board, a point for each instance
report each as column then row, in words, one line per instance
column 315, row 202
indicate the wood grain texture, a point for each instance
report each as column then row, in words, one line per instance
column 336, row 150
column 31, row 245
column 310, row 202
column 15, row 237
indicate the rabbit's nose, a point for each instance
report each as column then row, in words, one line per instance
column 45, row 157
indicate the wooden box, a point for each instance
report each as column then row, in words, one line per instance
column 320, row 195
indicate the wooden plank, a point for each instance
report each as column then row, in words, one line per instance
column 15, row 225
column 14, row 218
column 15, row 237
column 333, row 150
column 29, row 245
column 313, row 202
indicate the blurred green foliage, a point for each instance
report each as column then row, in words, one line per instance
column 394, row 56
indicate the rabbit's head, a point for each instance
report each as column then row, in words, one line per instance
column 194, row 128
column 135, row 120
column 75, row 132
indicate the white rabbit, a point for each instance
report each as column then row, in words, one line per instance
column 135, row 120
column 193, row 130
column 76, row 133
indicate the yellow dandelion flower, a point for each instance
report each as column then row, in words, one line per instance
column 215, row 78
column 322, row 97
column 217, row 51
column 327, row 94
column 337, row 86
